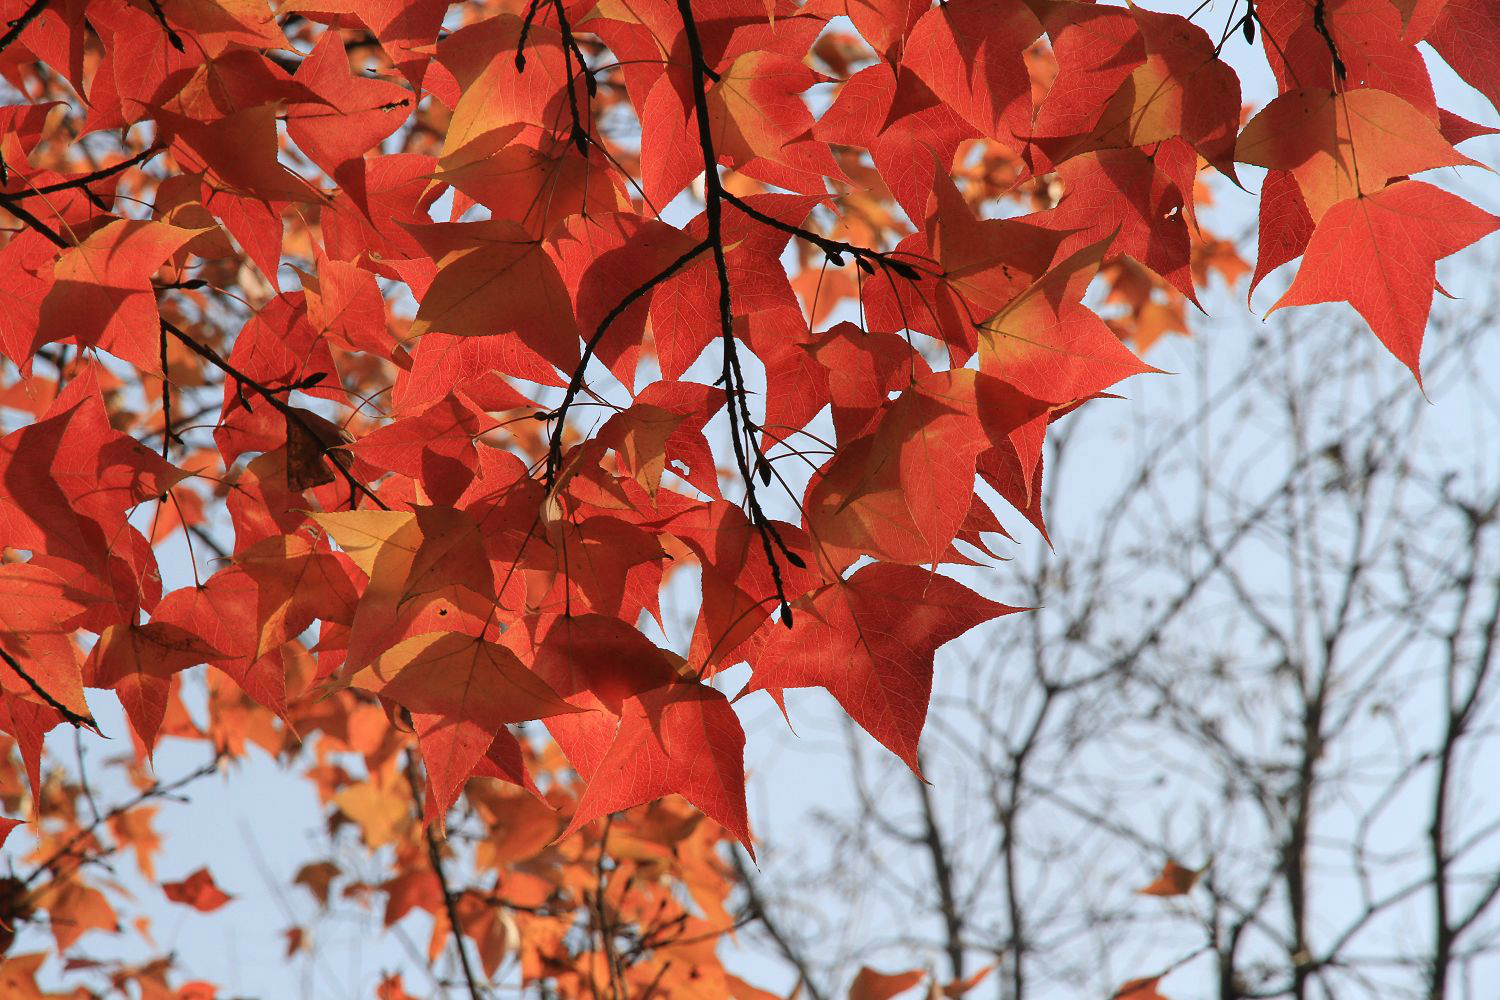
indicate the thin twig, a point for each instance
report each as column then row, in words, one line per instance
column 942, row 874
column 575, row 384
column 531, row 11
column 156, row 790
column 450, row 900
column 83, row 775
column 606, row 931
column 281, row 406
column 756, row 908
column 84, row 180
column 166, row 400
column 67, row 713
column 1320, row 25
column 450, row 905
column 832, row 248
column 172, row 36
column 8, row 202
column 733, row 378
column 571, row 51
column 19, row 24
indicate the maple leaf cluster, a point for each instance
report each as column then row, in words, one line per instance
column 406, row 293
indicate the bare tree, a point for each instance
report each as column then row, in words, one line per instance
column 1268, row 653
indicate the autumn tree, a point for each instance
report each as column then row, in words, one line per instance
column 433, row 345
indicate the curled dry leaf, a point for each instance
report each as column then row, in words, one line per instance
column 1174, row 880
column 198, row 891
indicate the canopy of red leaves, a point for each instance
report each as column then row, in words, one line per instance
column 405, row 294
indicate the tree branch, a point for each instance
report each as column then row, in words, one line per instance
column 155, row 790
column 575, row 384
column 67, row 713
column 942, row 874
column 834, row 249
column 282, row 407
column 435, row 859
column 84, row 180
column 732, row 376
column 19, row 24
column 450, row 905
column 756, row 908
